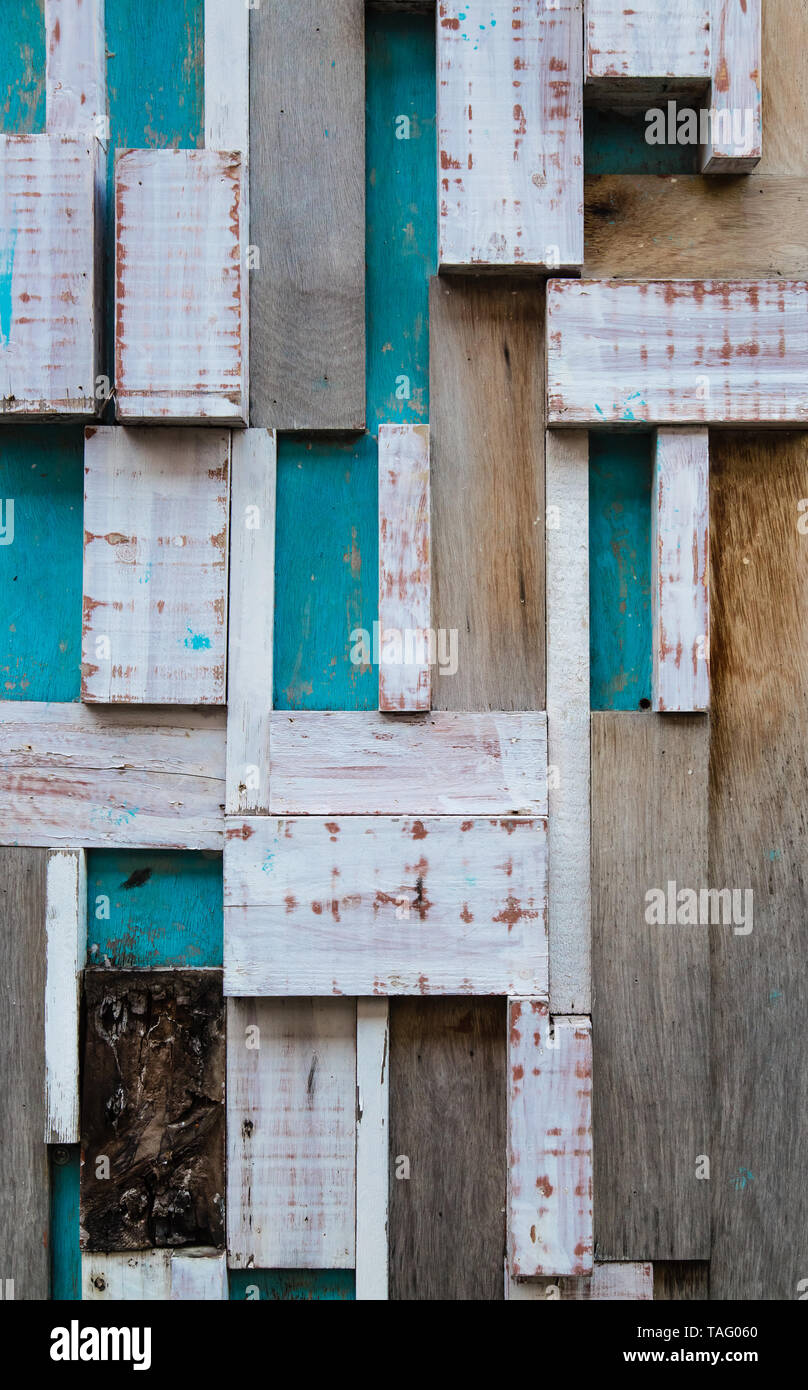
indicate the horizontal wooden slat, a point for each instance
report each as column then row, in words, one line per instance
column 404, row 568
column 637, row 43
column 66, row 944
column 680, row 564
column 615, row 1283
column 363, row 905
column 735, row 146
column 136, row 1276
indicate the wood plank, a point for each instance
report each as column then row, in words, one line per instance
column 227, row 76
column 625, row 46
column 154, row 908
column 156, row 508
column 616, row 1283
column 687, row 1280
column 680, row 571
column 66, row 946
column 180, row 330
column 153, row 1108
column 22, row 69
column 24, row 1181
column 307, row 134
column 699, row 352
column 139, row 1276
column 199, row 1275
column 620, row 626
column 291, row 1121
column 372, row 1147
column 292, row 1285
column 511, row 146
column 63, row 1235
column 71, row 774
column 650, row 1201
column 487, row 431
column 785, row 89
column 251, row 620
column 567, row 561
column 735, row 63
column 76, row 69
column 549, row 1141
column 404, row 568
column 758, row 772
column 363, row 763
column 370, row 906
column 447, row 1170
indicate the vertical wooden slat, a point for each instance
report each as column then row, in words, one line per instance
column 736, row 51
column 227, row 81
column 680, row 571
column 76, row 69
column 66, row 944
column 372, row 1147
column 404, row 568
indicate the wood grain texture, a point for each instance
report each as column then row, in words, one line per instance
column 22, row 69
column 405, row 588
column 567, row 561
column 66, row 945
column 156, row 510
column 680, row 571
column 153, row 1106
column 735, row 66
column 292, row 1285
column 447, row 1218
column 354, row 763
column 370, row 905
column 682, row 1280
column 758, row 776
column 549, row 1142
column 614, row 1283
column 785, row 88
column 142, row 1276
column 291, row 1133
column 76, row 68
column 63, row 1236
column 622, row 42
column 72, row 775
column 199, row 1275
column 510, row 135
column 153, row 908
column 487, row 436
column 251, row 620
column 372, row 1147
column 651, row 1091
column 24, row 1182
column 307, row 133
column 677, row 352
column 180, row 320
column 227, row 76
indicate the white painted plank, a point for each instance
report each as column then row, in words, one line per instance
column 371, row 906
column 680, row 570
column 549, row 1142
column 156, row 508
column 251, row 622
column 737, row 142
column 199, row 1275
column 567, row 568
column 510, row 108
column 636, row 41
column 66, row 937
column 405, row 678
column 76, row 69
column 181, row 346
column 372, row 1147
column 618, row 1283
column 139, row 1276
column 49, row 261
column 291, row 1133
column 363, row 763
column 75, row 775
column 677, row 352
column 227, row 79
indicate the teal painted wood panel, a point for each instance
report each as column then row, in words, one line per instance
column 41, row 473
column 292, row 1285
column 165, row 908
column 22, row 68
column 620, row 472
column 614, row 143
column 401, row 204
column 64, row 1223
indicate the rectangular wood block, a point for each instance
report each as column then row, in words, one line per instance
column 405, row 587
column 76, row 775
column 365, row 905
column 686, row 352
column 736, row 87
column 180, row 288
column 76, row 69
column 680, row 570
column 153, row 1107
column 614, row 1283
column 632, row 45
column 291, row 1133
column 549, row 1141
column 142, row 1276
column 66, row 944
column 372, row 1147
column 49, row 270
column 510, row 142
column 353, row 763
column 651, row 982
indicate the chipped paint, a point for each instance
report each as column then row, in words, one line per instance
column 680, row 571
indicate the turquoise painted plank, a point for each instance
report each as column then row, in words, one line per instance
column 64, row 1223
column 401, row 204
column 41, row 472
column 153, row 908
column 292, row 1285
column 22, row 68
column 620, row 471
column 614, row 143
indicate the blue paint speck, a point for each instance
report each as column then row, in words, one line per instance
column 196, row 640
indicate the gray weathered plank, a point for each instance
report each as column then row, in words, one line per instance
column 684, row 1280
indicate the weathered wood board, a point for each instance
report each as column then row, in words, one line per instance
column 291, row 1133
column 292, row 1285
column 510, row 141
column 680, row 571
column 365, row 905
column 735, row 64
column 76, row 69
column 651, row 984
column 372, row 1147
column 682, row 1281
column 180, row 288
column 614, row 1283
column 66, row 945
column 700, row 352
column 152, row 1113
column 156, row 510
column 405, row 588
column 227, row 76
column 448, row 1149
column 352, row 763
column 549, row 1142
column 142, row 1276
column 620, row 626
column 307, row 214
column 74, row 775
column 199, row 1275
column 148, row 909
column 634, row 49
column 487, row 436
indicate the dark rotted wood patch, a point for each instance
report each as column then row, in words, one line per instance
column 153, row 1104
